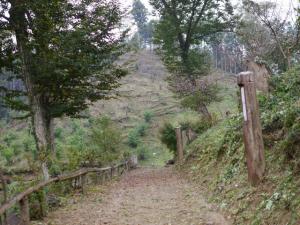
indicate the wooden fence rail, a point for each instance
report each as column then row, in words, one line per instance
column 22, row 198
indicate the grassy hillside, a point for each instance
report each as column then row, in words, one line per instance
column 216, row 160
column 144, row 91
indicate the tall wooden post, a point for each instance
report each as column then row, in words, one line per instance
column 253, row 140
column 179, row 144
column 24, row 211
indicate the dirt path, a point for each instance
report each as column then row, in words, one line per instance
column 141, row 197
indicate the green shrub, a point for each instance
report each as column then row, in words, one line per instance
column 199, row 99
column 192, row 120
column 10, row 137
column 148, row 116
column 168, row 136
column 58, row 132
column 199, row 126
column 233, row 137
column 280, row 115
column 143, row 153
column 75, row 157
column 141, row 129
column 8, row 154
column 104, row 142
column 133, row 139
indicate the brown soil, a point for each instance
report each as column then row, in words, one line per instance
column 141, row 197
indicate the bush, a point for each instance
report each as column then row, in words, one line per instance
column 141, row 129
column 8, row 154
column 148, row 116
column 280, row 115
column 105, row 141
column 232, row 138
column 143, row 153
column 133, row 139
column 168, row 137
column 58, row 133
column 75, row 157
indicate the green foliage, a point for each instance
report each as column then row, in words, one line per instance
column 191, row 119
column 133, row 139
column 232, row 140
column 220, row 159
column 139, row 12
column 281, row 115
column 75, row 158
column 148, row 115
column 168, row 136
column 143, row 153
column 17, row 145
column 188, row 24
column 141, row 129
column 201, row 97
column 69, row 65
column 64, row 54
column 105, row 143
column 8, row 154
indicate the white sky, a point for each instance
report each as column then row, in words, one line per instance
column 284, row 4
column 284, row 7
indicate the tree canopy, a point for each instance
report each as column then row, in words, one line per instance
column 64, row 54
column 140, row 15
column 188, row 23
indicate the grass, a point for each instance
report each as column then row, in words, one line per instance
column 216, row 161
column 143, row 90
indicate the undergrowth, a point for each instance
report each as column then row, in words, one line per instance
column 217, row 160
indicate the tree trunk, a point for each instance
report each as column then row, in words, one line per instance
column 4, row 189
column 42, row 135
column 50, row 135
column 18, row 21
column 204, row 111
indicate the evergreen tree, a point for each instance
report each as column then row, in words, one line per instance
column 139, row 13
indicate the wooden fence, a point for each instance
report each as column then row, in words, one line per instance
column 22, row 198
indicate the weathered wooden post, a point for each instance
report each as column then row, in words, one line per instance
column 179, row 144
column 98, row 175
column 103, row 177
column 111, row 172
column 118, row 170
column 83, row 183
column 24, row 211
column 253, row 139
column 42, row 202
column 4, row 190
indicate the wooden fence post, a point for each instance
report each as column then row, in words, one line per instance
column 42, row 198
column 111, row 172
column 127, row 166
column 98, row 174
column 4, row 189
column 83, row 183
column 253, row 139
column 179, row 144
column 24, row 211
